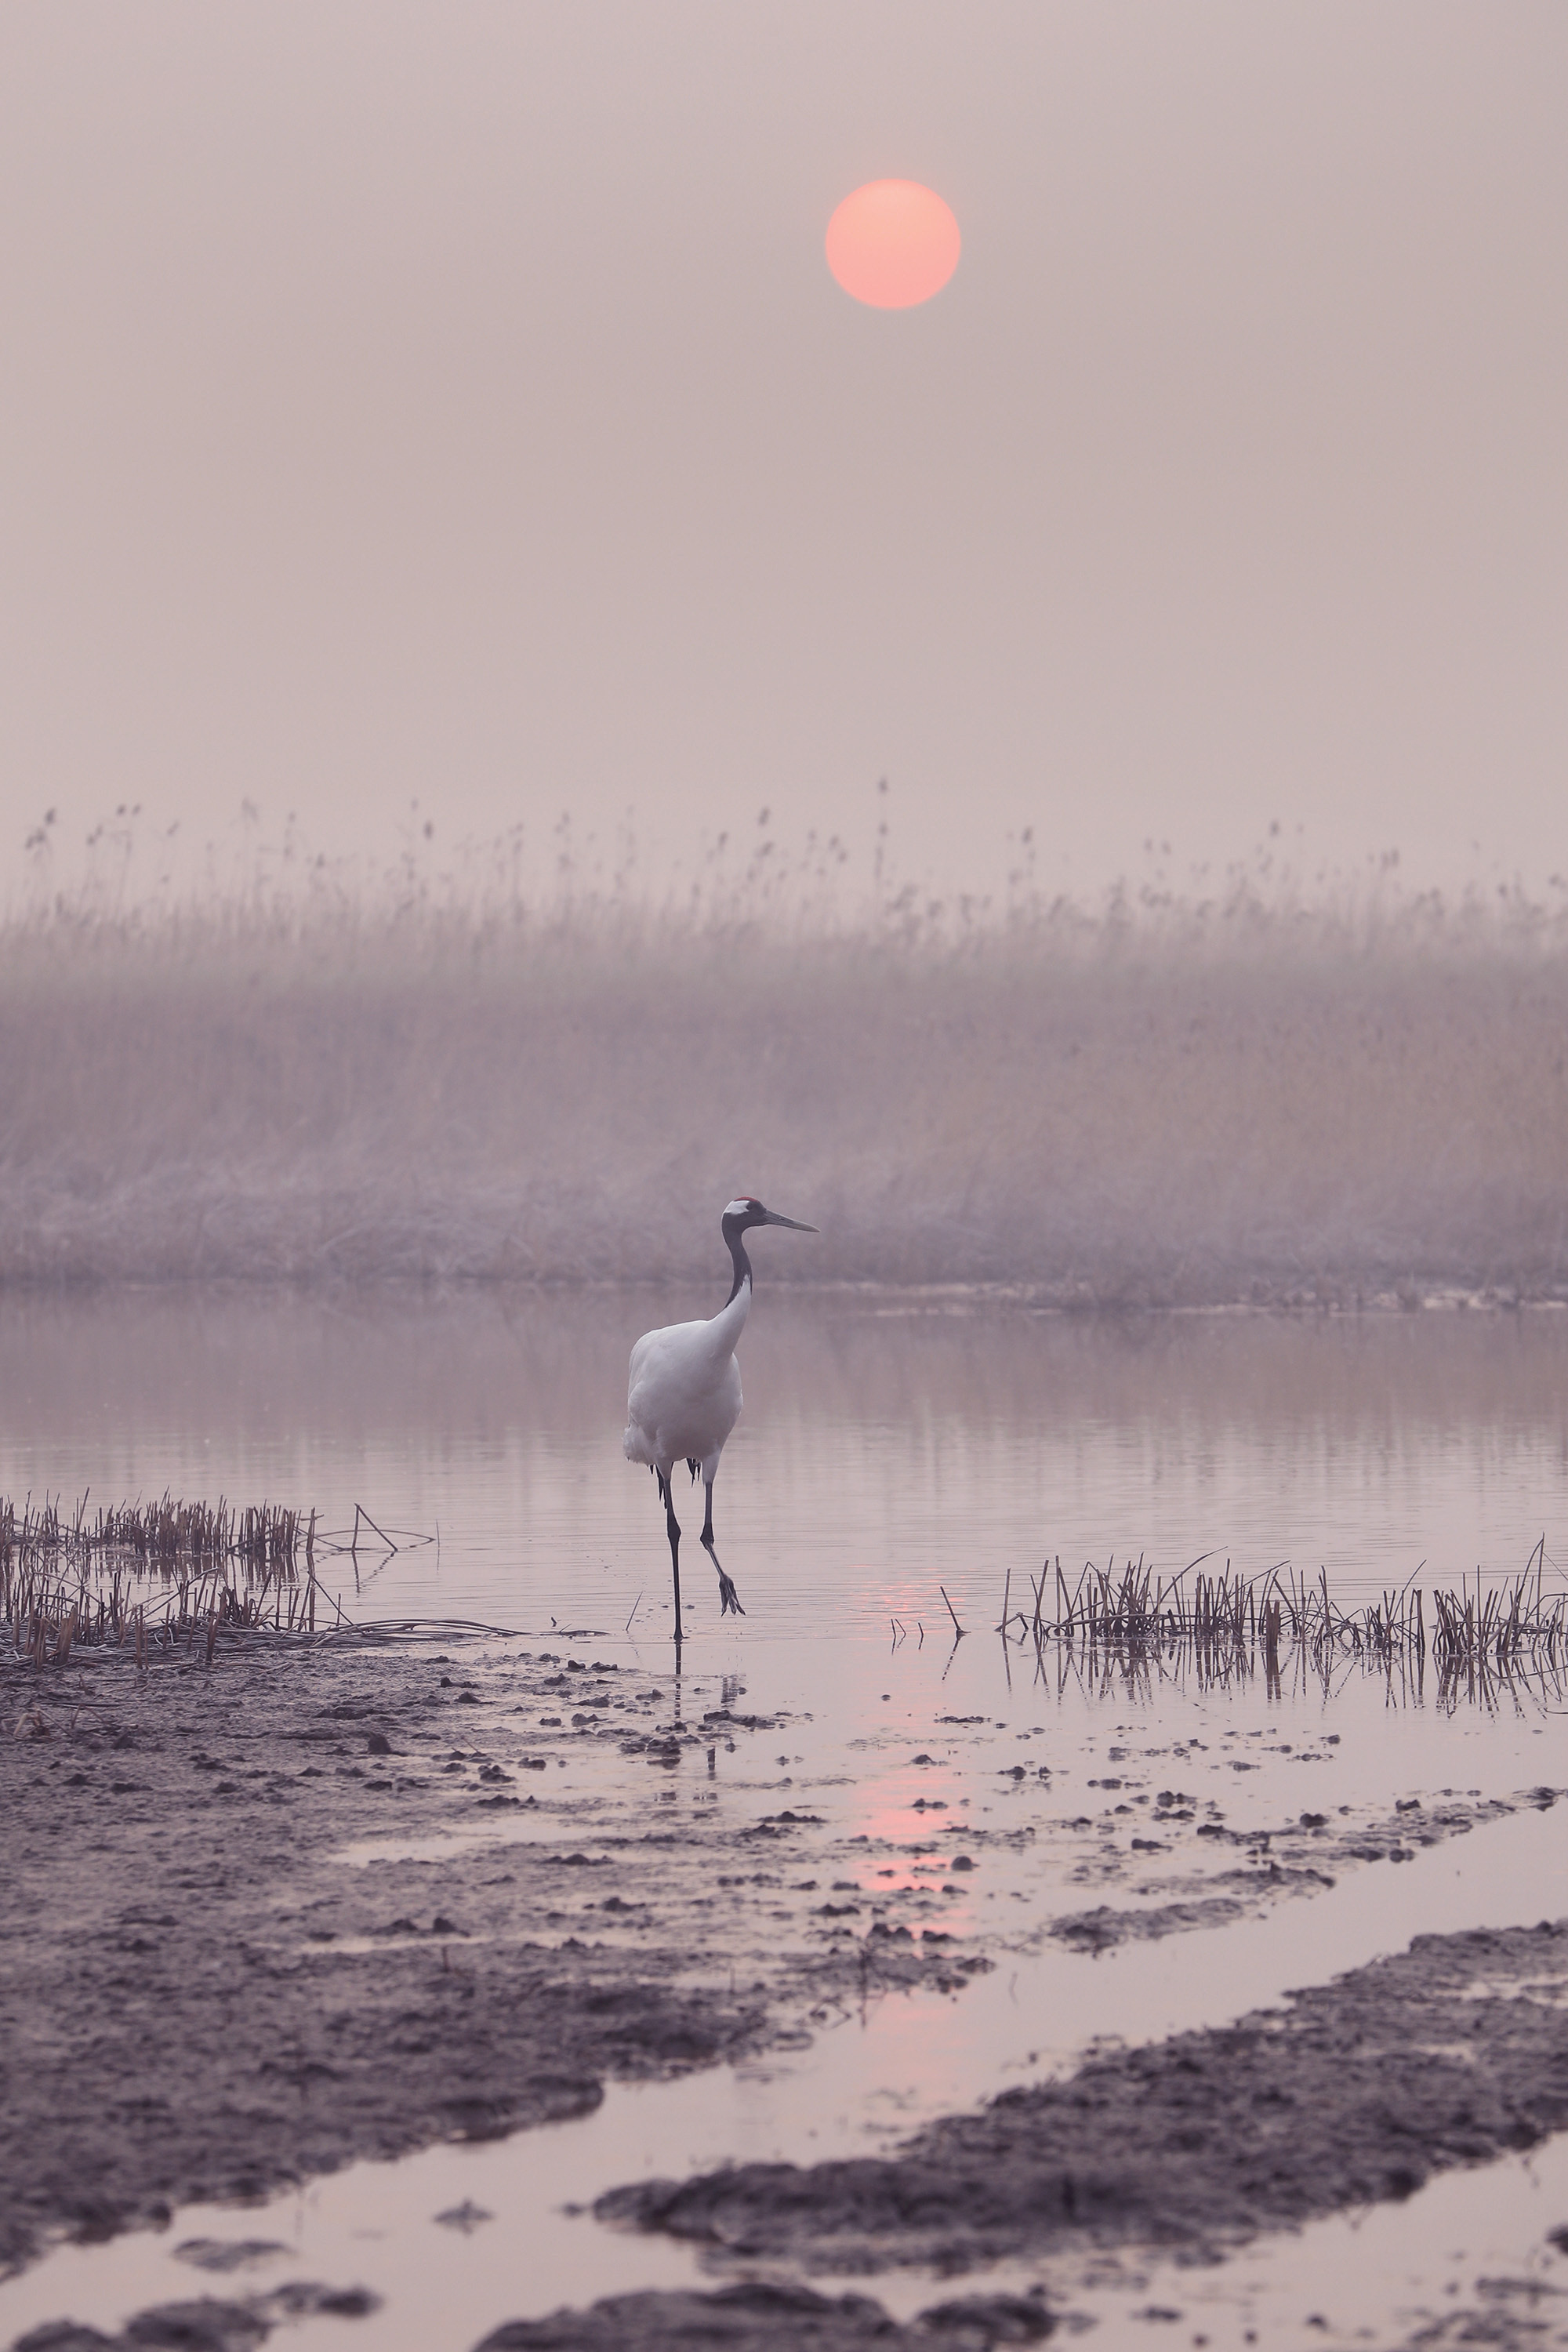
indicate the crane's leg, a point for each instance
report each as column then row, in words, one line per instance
column 728, row 1597
column 672, row 1529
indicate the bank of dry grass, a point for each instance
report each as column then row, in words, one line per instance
column 1165, row 1104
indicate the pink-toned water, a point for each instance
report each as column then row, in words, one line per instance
column 890, row 1444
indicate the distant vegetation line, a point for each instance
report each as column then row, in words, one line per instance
column 1158, row 1101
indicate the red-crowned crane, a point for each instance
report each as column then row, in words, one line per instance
column 683, row 1394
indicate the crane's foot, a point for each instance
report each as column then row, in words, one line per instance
column 729, row 1598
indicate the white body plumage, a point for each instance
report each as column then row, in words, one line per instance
column 683, row 1392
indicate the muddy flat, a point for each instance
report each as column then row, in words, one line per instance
column 330, row 1901
column 200, row 1998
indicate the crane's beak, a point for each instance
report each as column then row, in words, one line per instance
column 771, row 1217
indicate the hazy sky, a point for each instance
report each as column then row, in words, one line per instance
column 451, row 402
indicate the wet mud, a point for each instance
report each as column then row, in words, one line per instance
column 748, row 2317
column 1244, row 1869
column 330, row 1901
column 759, row 2316
column 200, row 1999
column 1450, row 2054
column 205, row 2323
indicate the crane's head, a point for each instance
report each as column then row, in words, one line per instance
column 741, row 1215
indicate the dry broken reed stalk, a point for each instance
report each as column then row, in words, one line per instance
column 1482, row 1643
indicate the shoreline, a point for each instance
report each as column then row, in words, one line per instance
column 1348, row 1296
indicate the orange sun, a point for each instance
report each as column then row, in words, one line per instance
column 892, row 243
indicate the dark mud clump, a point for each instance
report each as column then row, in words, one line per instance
column 203, row 2327
column 1102, row 1929
column 205, row 2324
column 758, row 2317
column 1448, row 2054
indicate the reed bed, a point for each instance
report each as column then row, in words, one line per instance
column 1482, row 1642
column 80, row 1581
column 1243, row 1097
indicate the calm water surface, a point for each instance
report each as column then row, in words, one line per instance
column 887, row 1447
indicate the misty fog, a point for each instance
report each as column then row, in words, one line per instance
column 1153, row 1102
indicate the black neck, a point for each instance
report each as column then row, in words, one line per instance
column 742, row 1263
